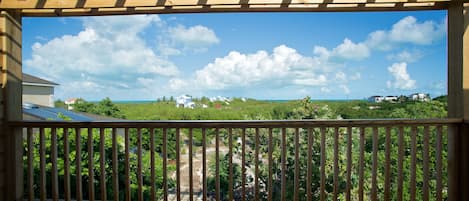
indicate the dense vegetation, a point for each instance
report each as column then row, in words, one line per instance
column 255, row 109
column 247, row 110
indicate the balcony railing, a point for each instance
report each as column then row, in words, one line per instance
column 237, row 160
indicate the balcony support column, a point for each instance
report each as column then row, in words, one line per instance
column 458, row 100
column 11, row 148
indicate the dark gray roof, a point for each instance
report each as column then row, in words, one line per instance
column 36, row 112
column 34, row 79
column 50, row 113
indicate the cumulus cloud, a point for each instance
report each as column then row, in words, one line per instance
column 284, row 66
column 350, row 50
column 407, row 30
column 108, row 51
column 345, row 89
column 406, row 56
column 402, row 79
column 180, row 39
column 347, row 50
column 325, row 90
column 340, row 76
column 355, row 76
column 193, row 36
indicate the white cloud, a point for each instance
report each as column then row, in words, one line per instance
column 407, row 30
column 406, row 56
column 345, row 89
column 402, row 79
column 284, row 66
column 107, row 52
column 178, row 40
column 325, row 90
column 355, row 76
column 340, row 76
column 195, row 36
column 350, row 50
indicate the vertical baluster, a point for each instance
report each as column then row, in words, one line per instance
column 42, row 165
column 230, row 153
column 127, row 165
column 296, row 190
column 270, row 161
column 400, row 164
column 349, row 164
column 79, row 192
column 102, row 164
column 204, row 165
column 413, row 163
column 309, row 175
column 284, row 167
column 387, row 168
column 191, row 193
column 374, row 188
column 361, row 166
column 323, row 164
column 55, row 180
column 217, row 165
column 30, row 164
column 426, row 136
column 139, row 165
column 439, row 182
column 243, row 165
column 178, row 166
column 90, row 165
column 336, row 163
column 115, row 168
column 165, row 168
column 67, row 192
column 152, row 164
column 256, row 166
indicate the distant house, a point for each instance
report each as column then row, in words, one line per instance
column 391, row 99
column 69, row 102
column 185, row 101
column 419, row 97
column 38, row 91
column 376, row 99
column 220, row 98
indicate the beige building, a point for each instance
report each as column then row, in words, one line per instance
column 38, row 91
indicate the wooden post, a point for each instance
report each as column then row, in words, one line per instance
column 458, row 100
column 11, row 162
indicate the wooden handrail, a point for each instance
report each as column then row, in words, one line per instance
column 235, row 123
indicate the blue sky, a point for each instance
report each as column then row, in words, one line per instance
column 257, row 55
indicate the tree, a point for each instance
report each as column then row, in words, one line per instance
column 81, row 105
column 60, row 104
column 105, row 107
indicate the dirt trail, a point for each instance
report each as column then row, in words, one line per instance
column 197, row 169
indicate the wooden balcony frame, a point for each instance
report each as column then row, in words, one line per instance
column 12, row 11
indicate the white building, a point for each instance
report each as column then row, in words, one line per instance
column 69, row 102
column 376, row 99
column 38, row 91
column 185, row 101
column 391, row 99
column 220, row 98
column 419, row 97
